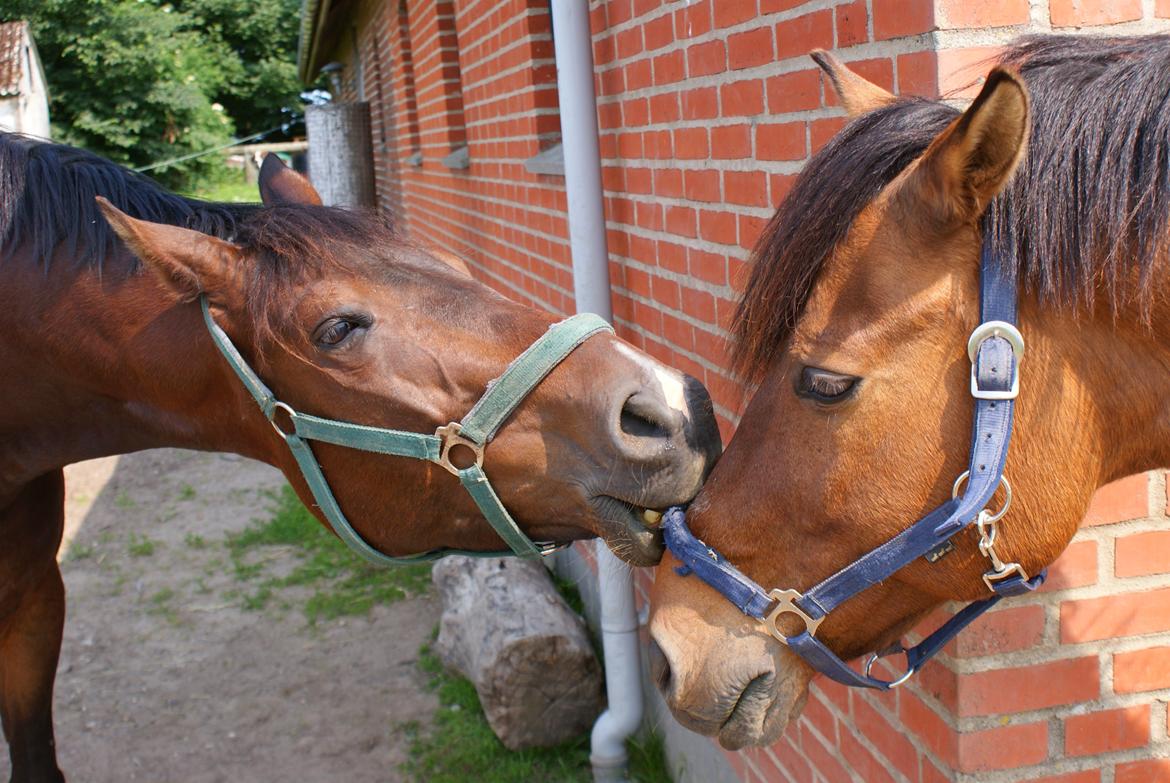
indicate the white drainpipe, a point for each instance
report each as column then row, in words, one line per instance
column 573, row 42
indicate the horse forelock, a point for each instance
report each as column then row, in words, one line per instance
column 1088, row 209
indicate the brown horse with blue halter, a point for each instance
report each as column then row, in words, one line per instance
column 413, row 409
column 883, row 326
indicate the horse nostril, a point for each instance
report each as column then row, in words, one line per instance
column 642, row 416
column 659, row 667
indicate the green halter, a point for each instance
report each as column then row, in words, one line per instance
column 475, row 431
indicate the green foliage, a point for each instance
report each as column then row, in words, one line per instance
column 460, row 746
column 341, row 583
column 143, row 81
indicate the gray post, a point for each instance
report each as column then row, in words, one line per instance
column 341, row 162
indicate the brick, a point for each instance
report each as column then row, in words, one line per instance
column 693, row 19
column 1162, row 8
column 744, row 98
column 639, row 74
column 1144, row 771
column 772, row 6
column 668, row 183
column 706, row 58
column 732, row 12
column 797, row 37
column 1007, row 630
column 1107, row 731
column 1128, row 614
column 880, row 71
column 826, row 762
column 658, row 32
column 1141, row 670
column 681, row 221
column 898, row 18
column 717, row 226
column 749, row 49
column 852, row 24
column 749, row 188
column 918, row 74
column 664, row 107
column 700, row 104
column 1006, row 747
column 1142, row 553
column 708, row 266
column 986, row 13
column 1033, row 687
column 1076, row 567
column 691, row 143
column 629, row 42
column 730, row 142
column 698, row 304
column 1119, row 501
column 669, row 68
column 702, row 185
column 781, row 141
column 863, row 764
column 820, row 131
column 750, row 228
column 789, row 92
column 1084, row 13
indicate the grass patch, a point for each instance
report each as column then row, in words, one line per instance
column 341, row 583
column 140, row 546
column 231, row 189
column 460, row 746
column 78, row 551
column 186, row 492
column 195, row 541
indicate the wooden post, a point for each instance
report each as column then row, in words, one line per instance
column 341, row 164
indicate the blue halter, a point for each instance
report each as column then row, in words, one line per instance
column 995, row 349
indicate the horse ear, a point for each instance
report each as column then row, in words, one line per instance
column 968, row 164
column 858, row 95
column 280, row 185
column 187, row 262
column 452, row 260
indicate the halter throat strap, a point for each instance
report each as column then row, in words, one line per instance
column 474, row 431
column 995, row 349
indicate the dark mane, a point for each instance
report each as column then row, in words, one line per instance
column 1089, row 209
column 47, row 203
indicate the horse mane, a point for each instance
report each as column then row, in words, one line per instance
column 1088, row 209
column 47, row 203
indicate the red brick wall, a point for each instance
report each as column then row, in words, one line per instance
column 707, row 110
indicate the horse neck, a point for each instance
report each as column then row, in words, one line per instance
column 1110, row 371
column 109, row 363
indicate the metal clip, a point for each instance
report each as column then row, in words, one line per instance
column 450, row 435
column 786, row 604
column 988, row 532
column 984, row 332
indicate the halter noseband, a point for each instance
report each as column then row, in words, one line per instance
column 474, row 431
column 995, row 349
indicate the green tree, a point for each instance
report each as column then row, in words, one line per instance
column 262, row 34
column 143, row 81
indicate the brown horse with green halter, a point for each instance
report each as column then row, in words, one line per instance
column 855, row 324
column 106, row 350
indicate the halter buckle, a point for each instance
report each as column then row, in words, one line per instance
column 450, row 435
column 287, row 410
column 981, row 334
column 786, row 604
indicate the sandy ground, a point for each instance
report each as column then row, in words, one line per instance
column 194, row 688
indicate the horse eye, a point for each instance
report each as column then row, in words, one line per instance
column 826, row 387
column 335, row 331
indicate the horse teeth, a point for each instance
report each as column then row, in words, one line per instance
column 651, row 517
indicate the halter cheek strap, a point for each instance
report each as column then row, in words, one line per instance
column 474, row 432
column 995, row 349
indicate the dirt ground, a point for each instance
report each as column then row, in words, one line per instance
column 165, row 677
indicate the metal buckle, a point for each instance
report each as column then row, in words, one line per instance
column 450, row 435
column 292, row 419
column 786, row 604
column 983, row 332
column 875, row 657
